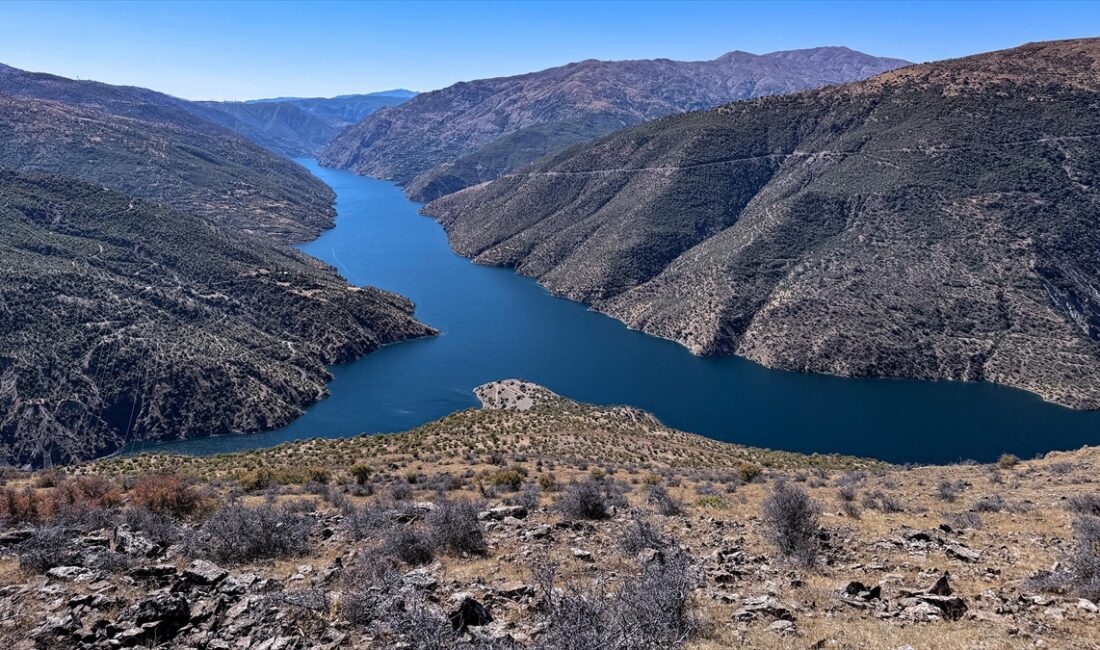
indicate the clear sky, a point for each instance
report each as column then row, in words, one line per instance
column 242, row 50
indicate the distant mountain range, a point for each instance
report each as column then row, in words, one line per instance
column 442, row 141
column 157, row 147
column 145, row 292
column 937, row 221
column 299, row 127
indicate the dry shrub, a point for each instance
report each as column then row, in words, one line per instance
column 167, row 494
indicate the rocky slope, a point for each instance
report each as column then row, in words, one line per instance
column 546, row 524
column 122, row 320
column 470, row 132
column 938, row 221
column 296, row 127
column 155, row 147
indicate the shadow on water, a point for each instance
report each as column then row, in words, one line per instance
column 498, row 325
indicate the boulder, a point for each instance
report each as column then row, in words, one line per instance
column 762, row 606
column 202, row 572
column 469, row 613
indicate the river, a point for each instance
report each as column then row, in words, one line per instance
column 496, row 324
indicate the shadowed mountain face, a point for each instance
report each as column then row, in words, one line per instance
column 937, row 221
column 442, row 141
column 121, row 320
column 297, row 127
column 154, row 146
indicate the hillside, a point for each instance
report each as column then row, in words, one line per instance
column 938, row 221
column 153, row 146
column 123, row 320
column 296, row 127
column 536, row 522
column 442, row 141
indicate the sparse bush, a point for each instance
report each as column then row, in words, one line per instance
column 25, row 506
column 237, row 534
column 365, row 521
column 166, row 494
column 453, row 526
column 1008, row 461
column 748, row 472
column 47, row 547
column 1080, row 574
column 640, row 535
column 158, row 528
column 949, row 490
column 650, row 612
column 1085, row 504
column 401, row 491
column 990, row 503
column 585, row 500
column 790, row 519
column 548, row 483
column 361, row 473
column 965, row 520
column 408, row 545
column 713, row 502
column 665, row 503
column 510, row 479
column 883, row 502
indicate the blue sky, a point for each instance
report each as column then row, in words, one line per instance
column 241, row 50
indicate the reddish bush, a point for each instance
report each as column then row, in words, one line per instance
column 26, row 506
column 166, row 494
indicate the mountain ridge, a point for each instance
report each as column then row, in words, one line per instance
column 473, row 131
column 820, row 231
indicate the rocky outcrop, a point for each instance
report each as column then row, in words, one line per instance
column 934, row 222
column 445, row 140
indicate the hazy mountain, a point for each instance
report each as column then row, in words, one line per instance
column 442, row 141
column 296, row 126
column 937, row 221
column 154, row 146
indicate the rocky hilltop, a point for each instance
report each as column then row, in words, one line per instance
column 125, row 321
column 155, row 147
column 938, row 221
column 442, row 141
column 546, row 524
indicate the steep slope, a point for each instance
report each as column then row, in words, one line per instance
column 470, row 132
column 122, row 320
column 938, row 221
column 153, row 146
column 296, row 127
column 281, row 127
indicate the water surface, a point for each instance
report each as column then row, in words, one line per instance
column 498, row 325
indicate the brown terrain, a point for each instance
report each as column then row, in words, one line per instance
column 556, row 525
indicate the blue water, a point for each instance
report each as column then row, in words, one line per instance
column 498, row 325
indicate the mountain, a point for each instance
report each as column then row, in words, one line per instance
column 123, row 320
column 297, row 127
column 938, row 221
column 156, row 147
column 442, row 141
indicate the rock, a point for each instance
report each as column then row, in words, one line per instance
column 758, row 606
column 501, row 512
column 514, row 591
column 421, row 579
column 951, row 607
column 857, row 589
column 782, row 626
column 201, row 572
column 155, row 571
column 1087, row 605
column 470, row 613
column 582, row 555
column 131, row 543
column 158, row 617
column 942, row 586
column 73, row 574
column 963, row 553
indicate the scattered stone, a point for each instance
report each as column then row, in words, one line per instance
column 582, row 555
column 501, row 512
column 202, row 572
column 760, row 606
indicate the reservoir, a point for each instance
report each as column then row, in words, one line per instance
column 497, row 325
